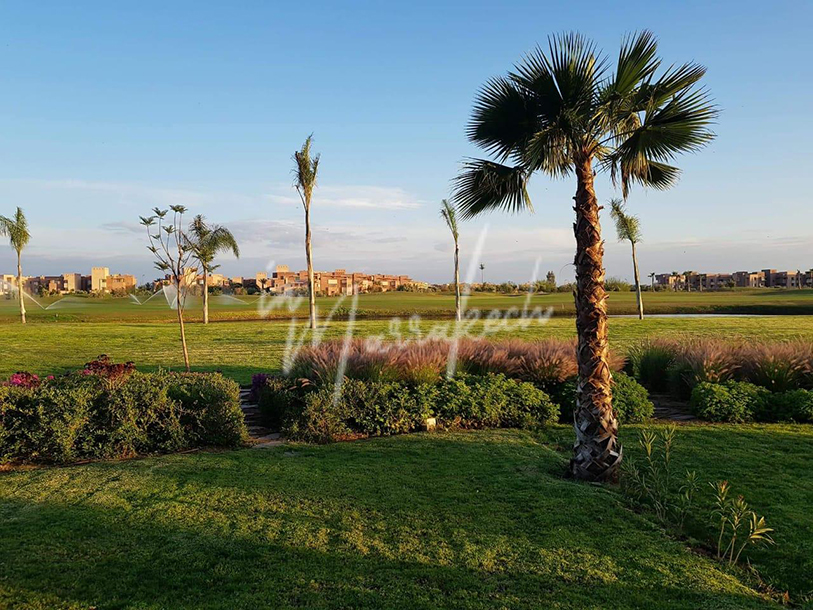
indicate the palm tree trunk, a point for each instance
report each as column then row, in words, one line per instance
column 596, row 453
column 20, row 286
column 637, row 283
column 458, row 313
column 180, row 322
column 205, row 296
column 309, row 257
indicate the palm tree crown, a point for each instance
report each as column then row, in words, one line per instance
column 448, row 213
column 559, row 109
column 16, row 229
column 627, row 226
column 305, row 171
column 207, row 241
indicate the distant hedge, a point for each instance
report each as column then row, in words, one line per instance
column 740, row 402
column 631, row 402
column 319, row 413
column 89, row 416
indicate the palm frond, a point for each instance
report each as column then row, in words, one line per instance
column 306, row 169
column 486, row 186
column 16, row 229
column 448, row 213
column 627, row 226
column 504, row 118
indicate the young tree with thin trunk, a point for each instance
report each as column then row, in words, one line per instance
column 628, row 228
column 171, row 247
column 16, row 229
column 482, row 274
column 562, row 112
column 206, row 242
column 305, row 180
column 448, row 214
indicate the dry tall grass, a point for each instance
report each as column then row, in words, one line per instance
column 544, row 362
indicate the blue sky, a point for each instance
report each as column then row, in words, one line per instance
column 108, row 109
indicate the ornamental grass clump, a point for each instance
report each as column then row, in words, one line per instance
column 778, row 367
column 545, row 363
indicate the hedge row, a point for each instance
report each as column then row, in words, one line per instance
column 740, row 402
column 88, row 416
column 308, row 411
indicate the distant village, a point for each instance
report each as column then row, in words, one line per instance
column 767, row 278
column 281, row 281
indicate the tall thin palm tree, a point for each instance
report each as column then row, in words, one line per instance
column 482, row 274
column 207, row 241
column 628, row 228
column 448, row 213
column 565, row 112
column 305, row 180
column 16, row 229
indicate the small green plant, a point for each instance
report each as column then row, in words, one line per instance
column 651, row 483
column 739, row 526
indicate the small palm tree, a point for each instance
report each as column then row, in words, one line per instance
column 206, row 242
column 628, row 228
column 562, row 112
column 652, row 280
column 482, row 274
column 16, row 229
column 305, row 180
column 448, row 214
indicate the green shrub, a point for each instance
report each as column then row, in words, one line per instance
column 370, row 408
column 730, row 401
column 792, row 406
column 210, row 408
column 85, row 416
column 630, row 400
column 137, row 417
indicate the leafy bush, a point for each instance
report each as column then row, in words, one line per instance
column 630, row 400
column 730, row 401
column 791, row 406
column 210, row 408
column 87, row 416
column 316, row 413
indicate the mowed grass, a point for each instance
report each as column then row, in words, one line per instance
column 446, row 520
column 156, row 309
column 239, row 349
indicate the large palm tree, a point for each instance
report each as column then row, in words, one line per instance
column 207, row 241
column 305, row 180
column 16, row 229
column 628, row 228
column 564, row 112
column 449, row 214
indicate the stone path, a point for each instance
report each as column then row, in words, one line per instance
column 666, row 407
column 259, row 434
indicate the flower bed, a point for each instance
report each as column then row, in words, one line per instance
column 112, row 411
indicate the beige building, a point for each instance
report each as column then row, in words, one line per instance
column 98, row 277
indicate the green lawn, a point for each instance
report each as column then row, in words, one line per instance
column 452, row 520
column 242, row 348
column 83, row 308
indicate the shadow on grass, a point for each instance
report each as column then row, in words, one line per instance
column 475, row 520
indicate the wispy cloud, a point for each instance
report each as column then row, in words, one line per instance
column 352, row 196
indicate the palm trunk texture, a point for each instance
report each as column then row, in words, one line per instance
column 637, row 283
column 205, row 296
column 20, row 287
column 309, row 257
column 458, row 313
column 596, row 453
